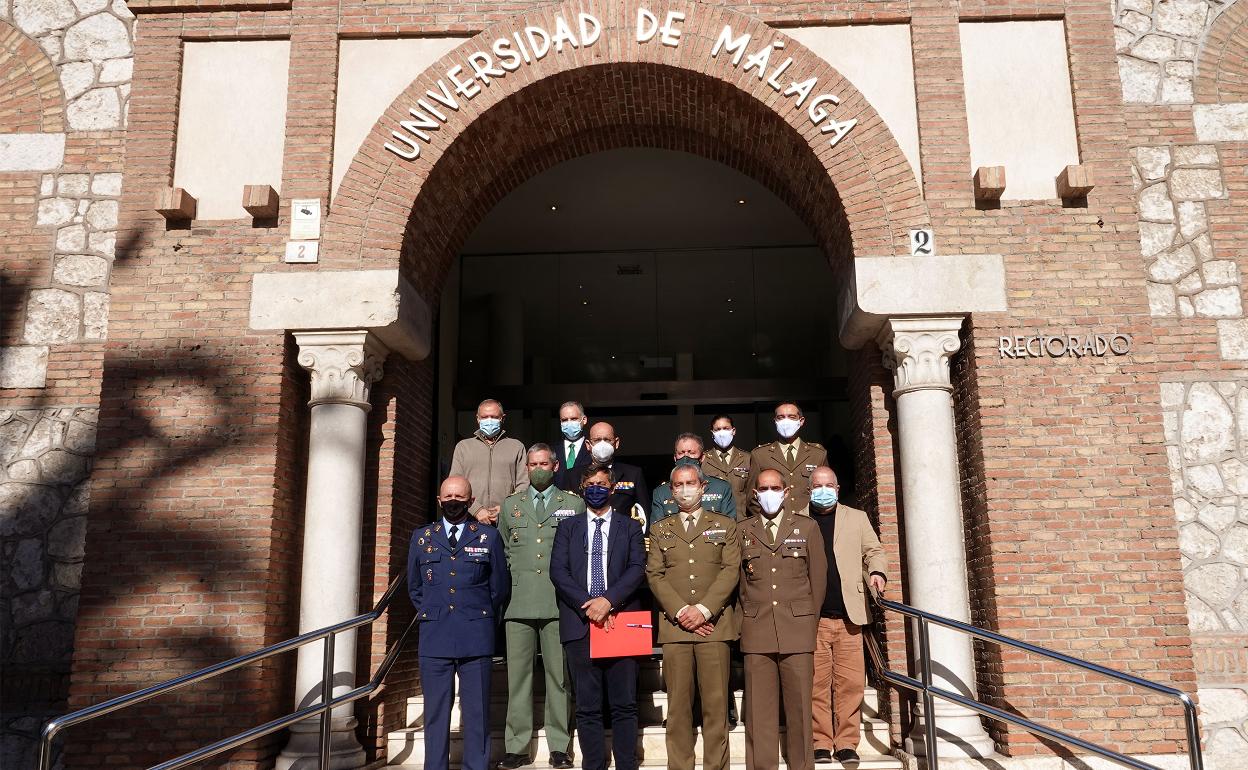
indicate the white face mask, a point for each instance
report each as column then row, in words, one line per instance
column 787, row 428
column 771, row 500
column 603, row 451
column 723, row 438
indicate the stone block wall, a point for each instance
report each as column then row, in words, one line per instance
column 1181, row 64
column 65, row 71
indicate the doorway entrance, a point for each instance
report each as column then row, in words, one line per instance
column 657, row 287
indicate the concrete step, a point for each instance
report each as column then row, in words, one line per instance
column 651, row 708
column 867, row 763
column 407, row 746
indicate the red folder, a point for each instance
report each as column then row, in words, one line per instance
column 631, row 634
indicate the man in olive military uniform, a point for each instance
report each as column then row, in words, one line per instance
column 692, row 568
column 458, row 582
column 717, row 498
column 790, row 456
column 729, row 462
column 784, row 576
column 527, row 524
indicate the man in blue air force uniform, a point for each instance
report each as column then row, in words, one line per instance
column 458, row 580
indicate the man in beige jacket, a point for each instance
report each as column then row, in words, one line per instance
column 856, row 563
column 493, row 463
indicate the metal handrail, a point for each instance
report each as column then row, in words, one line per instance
column 930, row 692
column 323, row 708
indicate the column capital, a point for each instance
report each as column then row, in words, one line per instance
column 343, row 364
column 917, row 351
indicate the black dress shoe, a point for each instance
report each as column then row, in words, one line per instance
column 846, row 755
column 823, row 756
column 513, row 761
column 560, row 760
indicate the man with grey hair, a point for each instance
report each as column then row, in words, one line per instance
column 491, row 461
column 528, row 525
column 717, row 498
column 693, row 568
column 574, row 454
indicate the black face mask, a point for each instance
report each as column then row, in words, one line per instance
column 454, row 511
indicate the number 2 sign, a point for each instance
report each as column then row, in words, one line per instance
column 302, row 251
column 922, row 243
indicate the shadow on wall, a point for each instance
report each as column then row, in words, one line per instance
column 177, row 435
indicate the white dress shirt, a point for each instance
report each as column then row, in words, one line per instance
column 459, row 529
column 575, row 446
column 589, row 546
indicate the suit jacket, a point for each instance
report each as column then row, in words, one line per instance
column 858, row 553
column 771, row 457
column 528, row 540
column 736, row 471
column 782, row 585
column 569, row 480
column 569, row 570
column 701, row 566
column 458, row 592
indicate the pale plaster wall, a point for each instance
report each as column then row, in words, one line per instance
column 371, row 75
column 228, row 136
column 1020, row 113
column 877, row 59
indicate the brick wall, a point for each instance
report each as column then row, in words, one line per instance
column 192, row 549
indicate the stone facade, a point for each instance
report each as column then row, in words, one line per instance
column 45, row 459
column 65, row 71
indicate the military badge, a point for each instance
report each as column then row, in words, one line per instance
column 483, row 536
column 472, row 527
column 746, row 541
column 429, row 576
column 429, row 549
column 716, row 535
column 515, row 513
column 422, row 541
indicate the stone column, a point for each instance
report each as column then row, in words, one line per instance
column 343, row 366
column 917, row 350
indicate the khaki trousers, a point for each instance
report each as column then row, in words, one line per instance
column 840, row 679
column 708, row 662
column 770, row 680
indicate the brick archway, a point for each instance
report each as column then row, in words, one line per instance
column 858, row 195
column 31, row 99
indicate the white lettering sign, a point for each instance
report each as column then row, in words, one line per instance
column 461, row 83
column 302, row 251
column 1065, row 345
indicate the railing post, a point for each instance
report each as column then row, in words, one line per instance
column 327, row 694
column 931, row 750
column 1193, row 733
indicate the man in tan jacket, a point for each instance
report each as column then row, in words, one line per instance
column 784, row 574
column 692, row 569
column 856, row 560
column 493, row 462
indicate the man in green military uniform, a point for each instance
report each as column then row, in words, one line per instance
column 693, row 567
column 794, row 459
column 718, row 497
column 527, row 524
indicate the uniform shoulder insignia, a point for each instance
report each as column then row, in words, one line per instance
column 472, row 527
column 815, row 444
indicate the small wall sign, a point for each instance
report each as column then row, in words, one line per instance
column 302, row 251
column 305, row 219
column 922, row 243
column 1088, row 345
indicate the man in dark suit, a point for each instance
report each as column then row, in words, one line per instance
column 573, row 454
column 458, row 581
column 598, row 565
column 629, row 496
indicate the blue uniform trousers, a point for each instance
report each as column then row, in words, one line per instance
column 600, row 684
column 437, row 677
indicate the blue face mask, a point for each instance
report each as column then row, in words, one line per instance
column 490, row 425
column 824, row 497
column 596, row 496
column 571, row 429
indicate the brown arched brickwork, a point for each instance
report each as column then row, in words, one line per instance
column 31, row 100
column 1222, row 65
column 859, row 196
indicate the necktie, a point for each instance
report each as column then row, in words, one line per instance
column 789, row 454
column 454, row 538
column 597, row 579
column 571, row 454
column 688, row 521
column 771, row 531
column 539, row 505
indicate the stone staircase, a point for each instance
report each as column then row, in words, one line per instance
column 406, row 746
